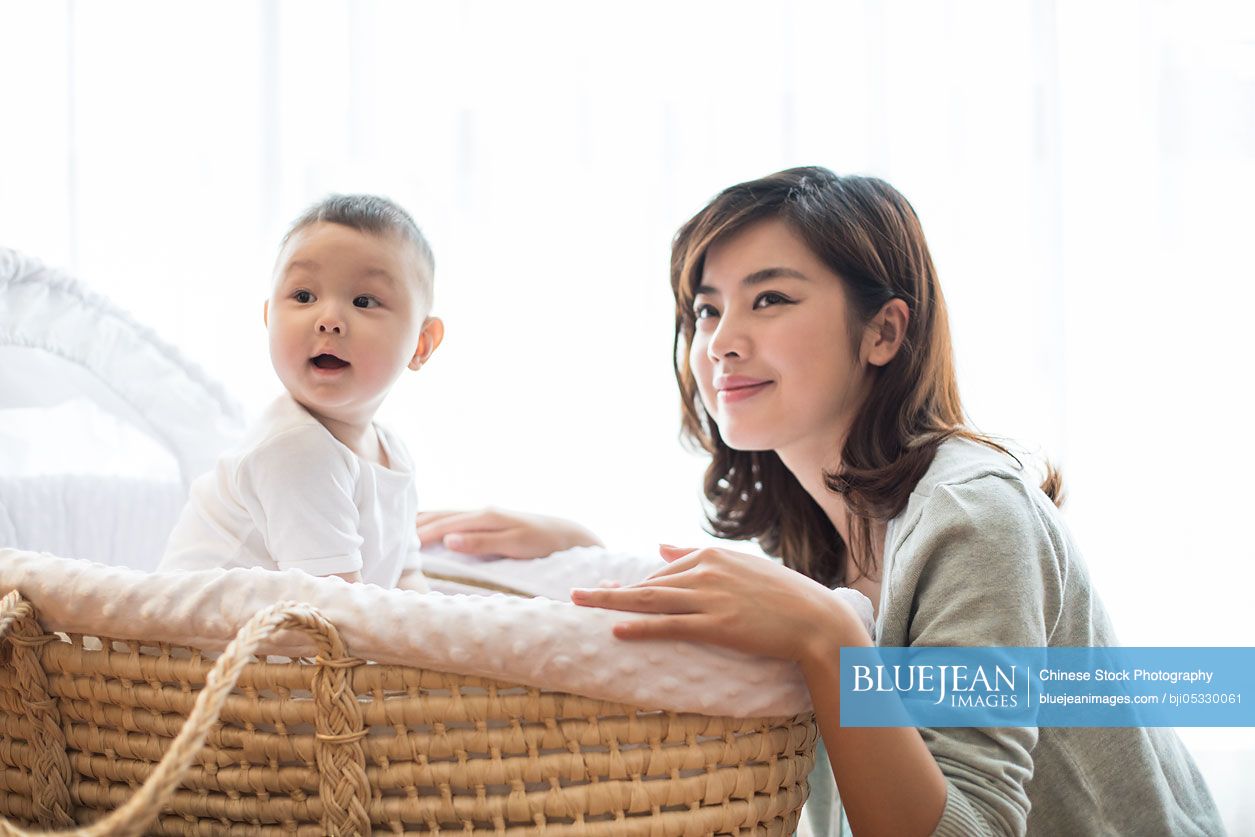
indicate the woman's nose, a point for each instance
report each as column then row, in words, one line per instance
column 728, row 340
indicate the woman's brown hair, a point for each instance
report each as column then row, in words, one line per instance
column 867, row 233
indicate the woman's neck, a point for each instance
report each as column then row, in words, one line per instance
column 808, row 466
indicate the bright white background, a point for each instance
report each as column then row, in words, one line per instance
column 1084, row 172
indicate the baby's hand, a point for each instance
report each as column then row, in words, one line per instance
column 500, row 532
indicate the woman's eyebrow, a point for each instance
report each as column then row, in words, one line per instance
column 760, row 276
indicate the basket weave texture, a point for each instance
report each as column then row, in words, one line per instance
column 133, row 737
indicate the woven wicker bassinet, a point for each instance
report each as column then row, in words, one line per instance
column 172, row 741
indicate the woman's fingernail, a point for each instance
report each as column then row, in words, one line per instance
column 453, row 541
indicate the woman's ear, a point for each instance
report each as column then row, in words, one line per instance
column 265, row 313
column 885, row 333
column 428, row 339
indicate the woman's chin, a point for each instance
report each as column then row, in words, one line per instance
column 747, row 441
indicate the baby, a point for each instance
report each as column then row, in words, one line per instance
column 317, row 484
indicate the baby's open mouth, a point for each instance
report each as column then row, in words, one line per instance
column 329, row 362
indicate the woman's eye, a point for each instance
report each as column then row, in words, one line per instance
column 770, row 298
column 705, row 311
column 365, row 301
column 303, row 297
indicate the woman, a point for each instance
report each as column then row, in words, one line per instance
column 815, row 367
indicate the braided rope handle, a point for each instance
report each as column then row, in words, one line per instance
column 343, row 787
column 50, row 766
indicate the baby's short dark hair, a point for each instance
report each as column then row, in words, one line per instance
column 370, row 214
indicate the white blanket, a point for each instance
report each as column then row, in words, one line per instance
column 539, row 642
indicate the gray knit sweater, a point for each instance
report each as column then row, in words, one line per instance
column 979, row 556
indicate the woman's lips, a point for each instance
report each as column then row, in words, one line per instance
column 741, row 392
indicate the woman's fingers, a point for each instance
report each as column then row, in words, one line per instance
column 434, row 515
column 674, row 554
column 721, row 597
column 502, row 532
column 448, row 523
column 678, row 560
column 686, row 578
column 433, row 526
column 654, row 599
column 425, row 520
column 508, row 543
column 695, row 627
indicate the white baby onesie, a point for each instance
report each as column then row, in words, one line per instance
column 294, row 496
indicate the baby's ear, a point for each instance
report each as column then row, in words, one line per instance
column 428, row 339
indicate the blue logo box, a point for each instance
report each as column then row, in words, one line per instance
column 1047, row 687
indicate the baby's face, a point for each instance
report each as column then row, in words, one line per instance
column 345, row 319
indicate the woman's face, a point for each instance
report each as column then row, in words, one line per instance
column 772, row 352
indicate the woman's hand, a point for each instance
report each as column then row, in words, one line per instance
column 499, row 532
column 735, row 600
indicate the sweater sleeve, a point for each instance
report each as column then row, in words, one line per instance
column 301, row 492
column 986, row 571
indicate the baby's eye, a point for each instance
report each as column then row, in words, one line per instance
column 303, row 297
column 705, row 311
column 365, row 301
column 770, row 298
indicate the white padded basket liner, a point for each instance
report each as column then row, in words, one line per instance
column 539, row 642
